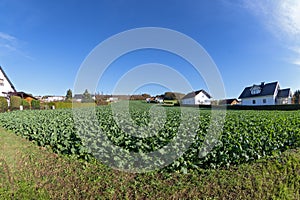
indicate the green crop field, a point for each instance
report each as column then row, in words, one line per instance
column 255, row 157
column 246, row 136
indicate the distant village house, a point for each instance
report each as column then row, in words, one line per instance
column 199, row 97
column 265, row 94
column 6, row 86
column 7, row 89
column 228, row 102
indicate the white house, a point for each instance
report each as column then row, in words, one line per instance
column 112, row 99
column 6, row 85
column 80, row 97
column 265, row 94
column 53, row 98
column 200, row 97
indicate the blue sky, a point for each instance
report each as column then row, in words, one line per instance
column 43, row 43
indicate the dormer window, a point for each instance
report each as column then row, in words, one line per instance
column 255, row 89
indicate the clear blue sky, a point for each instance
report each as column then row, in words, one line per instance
column 43, row 43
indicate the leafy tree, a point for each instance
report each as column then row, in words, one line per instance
column 87, row 97
column 100, row 99
column 69, row 95
column 170, row 96
column 296, row 97
column 35, row 104
column 25, row 104
column 145, row 96
column 140, row 96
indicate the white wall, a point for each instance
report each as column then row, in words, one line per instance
column 270, row 100
column 189, row 101
column 284, row 100
column 6, row 87
column 200, row 98
column 55, row 98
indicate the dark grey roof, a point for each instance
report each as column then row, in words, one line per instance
column 284, row 93
column 193, row 94
column 13, row 87
column 78, row 96
column 81, row 96
column 266, row 89
column 22, row 95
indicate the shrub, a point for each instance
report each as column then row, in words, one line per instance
column 25, row 104
column 35, row 104
column 61, row 105
column 15, row 102
column 3, row 104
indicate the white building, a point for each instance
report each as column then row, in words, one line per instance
column 80, row 97
column 112, row 99
column 265, row 94
column 54, row 98
column 6, row 85
column 200, row 97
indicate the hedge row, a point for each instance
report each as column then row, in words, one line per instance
column 25, row 104
column 35, row 104
column 3, row 104
column 59, row 105
column 16, row 102
column 242, row 107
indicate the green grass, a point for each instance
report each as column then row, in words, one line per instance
column 31, row 172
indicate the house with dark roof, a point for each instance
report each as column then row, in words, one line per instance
column 80, row 97
column 265, row 94
column 228, row 102
column 6, row 86
column 7, row 89
column 23, row 95
column 199, row 97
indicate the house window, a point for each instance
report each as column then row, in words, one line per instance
column 264, row 100
column 253, row 102
column 1, row 82
column 255, row 90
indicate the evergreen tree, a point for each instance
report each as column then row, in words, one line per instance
column 87, row 97
column 296, row 97
column 69, row 95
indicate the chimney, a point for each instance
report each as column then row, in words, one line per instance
column 262, row 84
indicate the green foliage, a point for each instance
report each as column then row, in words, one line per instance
column 62, row 105
column 140, row 97
column 37, row 173
column 15, row 102
column 170, row 96
column 266, row 107
column 3, row 104
column 171, row 102
column 247, row 135
column 35, row 104
column 51, row 104
column 87, row 98
column 69, row 95
column 296, row 97
column 25, row 104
